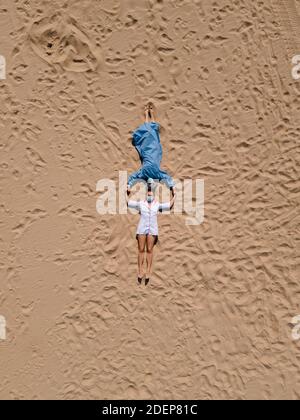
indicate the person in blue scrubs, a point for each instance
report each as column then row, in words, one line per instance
column 146, row 140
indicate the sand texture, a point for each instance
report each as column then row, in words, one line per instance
column 216, row 320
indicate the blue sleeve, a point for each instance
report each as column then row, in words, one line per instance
column 167, row 179
column 135, row 178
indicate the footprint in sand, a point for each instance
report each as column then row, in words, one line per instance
column 58, row 40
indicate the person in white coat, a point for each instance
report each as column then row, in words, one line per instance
column 147, row 231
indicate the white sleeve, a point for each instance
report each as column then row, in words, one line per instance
column 134, row 205
column 164, row 207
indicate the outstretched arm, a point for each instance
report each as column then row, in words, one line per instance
column 130, row 203
column 135, row 178
column 168, row 206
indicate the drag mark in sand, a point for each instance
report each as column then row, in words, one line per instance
column 58, row 40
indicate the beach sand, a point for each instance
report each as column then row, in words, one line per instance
column 215, row 322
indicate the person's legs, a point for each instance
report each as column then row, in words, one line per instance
column 150, row 248
column 142, row 240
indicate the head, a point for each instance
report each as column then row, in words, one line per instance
column 150, row 197
column 150, row 190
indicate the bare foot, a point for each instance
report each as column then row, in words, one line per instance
column 147, row 113
column 151, row 111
